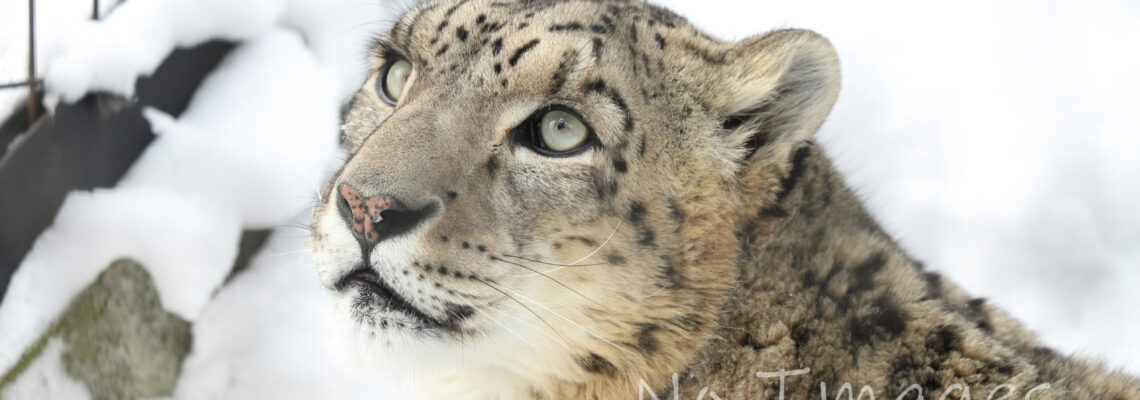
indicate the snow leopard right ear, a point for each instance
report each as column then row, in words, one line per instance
column 775, row 90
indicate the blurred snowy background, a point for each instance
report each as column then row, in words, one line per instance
column 997, row 141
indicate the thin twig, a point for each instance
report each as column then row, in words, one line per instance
column 13, row 85
column 32, row 61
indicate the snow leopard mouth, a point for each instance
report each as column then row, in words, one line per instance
column 377, row 293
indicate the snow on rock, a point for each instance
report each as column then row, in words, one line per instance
column 46, row 378
column 256, row 137
column 268, row 334
column 187, row 246
column 109, row 55
column 245, row 153
column 132, row 41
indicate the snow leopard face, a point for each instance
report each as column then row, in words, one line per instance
column 558, row 180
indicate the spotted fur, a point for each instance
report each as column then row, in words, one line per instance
column 705, row 234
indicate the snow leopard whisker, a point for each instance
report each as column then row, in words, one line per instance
column 607, row 341
column 544, row 321
column 554, row 264
column 547, row 277
column 604, row 243
column 558, row 339
column 499, row 323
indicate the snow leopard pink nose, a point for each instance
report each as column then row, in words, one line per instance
column 364, row 214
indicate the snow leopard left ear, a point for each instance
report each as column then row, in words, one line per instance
column 776, row 89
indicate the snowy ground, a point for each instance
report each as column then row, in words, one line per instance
column 996, row 140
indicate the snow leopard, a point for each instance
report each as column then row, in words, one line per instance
column 593, row 199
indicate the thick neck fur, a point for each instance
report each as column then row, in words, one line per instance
column 823, row 288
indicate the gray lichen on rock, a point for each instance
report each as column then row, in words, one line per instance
column 120, row 342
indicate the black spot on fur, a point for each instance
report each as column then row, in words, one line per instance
column 560, row 75
column 514, row 60
column 620, row 102
column 645, row 340
column 441, row 26
column 597, row 365
column 609, row 22
column 637, row 213
column 933, row 284
column 978, row 314
column 452, row 195
column 861, row 331
column 864, row 273
column 596, row 86
column 597, row 44
column 573, row 26
column 615, row 259
column 492, row 27
column 774, row 211
column 584, row 240
column 633, row 33
column 496, row 47
column 481, row 19
column 461, row 34
column 943, row 340
column 645, row 237
column 492, row 166
column 599, row 29
column 891, row 318
column 798, row 166
column 498, row 68
column 620, row 166
column 660, row 41
column 453, row 8
column 442, row 50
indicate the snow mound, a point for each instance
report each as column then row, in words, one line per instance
column 191, row 247
column 256, row 137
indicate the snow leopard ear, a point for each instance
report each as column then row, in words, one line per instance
column 776, row 89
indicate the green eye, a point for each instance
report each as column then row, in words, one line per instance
column 560, row 131
column 394, row 80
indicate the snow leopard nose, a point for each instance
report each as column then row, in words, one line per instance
column 376, row 218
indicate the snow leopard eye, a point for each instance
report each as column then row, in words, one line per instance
column 393, row 80
column 561, row 131
column 555, row 131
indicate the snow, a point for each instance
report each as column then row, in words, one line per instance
column 194, row 243
column 56, row 21
column 997, row 141
column 248, row 117
column 46, row 378
column 268, row 334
